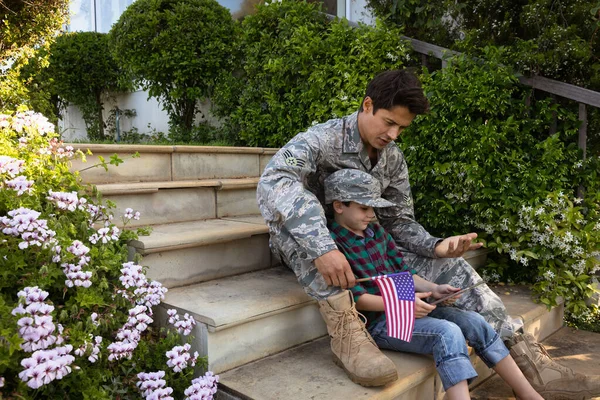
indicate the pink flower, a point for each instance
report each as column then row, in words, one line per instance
column 20, row 185
column 11, row 166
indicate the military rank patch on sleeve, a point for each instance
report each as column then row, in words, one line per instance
column 293, row 161
column 407, row 199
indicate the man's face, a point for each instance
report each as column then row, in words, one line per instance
column 379, row 129
column 354, row 217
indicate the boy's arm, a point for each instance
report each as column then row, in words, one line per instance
column 373, row 302
column 423, row 285
column 370, row 302
column 437, row 291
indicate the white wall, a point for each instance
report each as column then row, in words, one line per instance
column 96, row 15
column 149, row 111
column 359, row 12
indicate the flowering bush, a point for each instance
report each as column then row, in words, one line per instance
column 483, row 160
column 559, row 237
column 75, row 315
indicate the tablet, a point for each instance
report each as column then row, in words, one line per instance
column 457, row 293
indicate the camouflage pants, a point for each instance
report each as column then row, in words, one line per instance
column 454, row 271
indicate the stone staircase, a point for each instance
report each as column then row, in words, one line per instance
column 209, row 246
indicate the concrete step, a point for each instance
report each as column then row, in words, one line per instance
column 170, row 163
column 308, row 372
column 247, row 317
column 184, row 253
column 178, row 201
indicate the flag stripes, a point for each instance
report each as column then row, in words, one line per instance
column 398, row 293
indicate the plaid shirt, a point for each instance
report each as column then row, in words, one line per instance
column 369, row 256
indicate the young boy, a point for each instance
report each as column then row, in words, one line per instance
column 441, row 331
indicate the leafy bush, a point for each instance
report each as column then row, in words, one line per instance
column 81, row 71
column 560, row 238
column 26, row 26
column 482, row 154
column 176, row 50
column 75, row 315
column 299, row 67
column 555, row 39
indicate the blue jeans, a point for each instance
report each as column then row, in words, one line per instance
column 444, row 333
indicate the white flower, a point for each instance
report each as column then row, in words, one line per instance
column 540, row 211
column 391, row 57
column 549, row 275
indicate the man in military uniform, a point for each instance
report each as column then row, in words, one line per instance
column 291, row 199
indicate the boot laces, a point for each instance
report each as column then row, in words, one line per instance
column 349, row 332
column 551, row 362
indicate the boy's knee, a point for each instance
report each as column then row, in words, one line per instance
column 451, row 334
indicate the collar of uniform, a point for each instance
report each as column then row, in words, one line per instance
column 352, row 141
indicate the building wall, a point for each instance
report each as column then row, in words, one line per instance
column 99, row 15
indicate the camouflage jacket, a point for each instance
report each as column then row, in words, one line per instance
column 291, row 195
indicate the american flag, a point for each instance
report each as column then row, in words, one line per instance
column 398, row 292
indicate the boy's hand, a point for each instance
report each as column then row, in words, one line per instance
column 444, row 290
column 422, row 308
column 335, row 269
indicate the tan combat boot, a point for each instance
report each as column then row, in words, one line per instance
column 550, row 379
column 353, row 348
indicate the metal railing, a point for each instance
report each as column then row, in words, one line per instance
column 585, row 97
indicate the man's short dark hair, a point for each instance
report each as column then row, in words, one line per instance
column 397, row 88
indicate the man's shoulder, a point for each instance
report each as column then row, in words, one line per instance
column 324, row 130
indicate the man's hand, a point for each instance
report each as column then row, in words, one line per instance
column 444, row 290
column 456, row 246
column 422, row 308
column 335, row 269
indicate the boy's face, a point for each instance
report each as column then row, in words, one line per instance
column 354, row 217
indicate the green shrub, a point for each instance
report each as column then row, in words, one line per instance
column 27, row 26
column 82, row 71
column 558, row 40
column 176, row 50
column 482, row 154
column 298, row 68
column 555, row 239
column 67, row 291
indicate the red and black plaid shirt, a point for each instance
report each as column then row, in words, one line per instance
column 372, row 255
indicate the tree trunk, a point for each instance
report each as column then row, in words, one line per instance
column 99, row 108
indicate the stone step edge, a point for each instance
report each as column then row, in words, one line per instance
column 213, row 329
column 402, row 385
column 114, row 189
column 225, row 236
column 289, row 297
column 132, row 148
column 529, row 317
column 405, row 382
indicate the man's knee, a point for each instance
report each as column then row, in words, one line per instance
column 311, row 279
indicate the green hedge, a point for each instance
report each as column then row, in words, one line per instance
column 298, row 68
column 482, row 160
column 176, row 50
column 82, row 71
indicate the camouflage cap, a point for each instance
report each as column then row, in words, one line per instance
column 354, row 185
